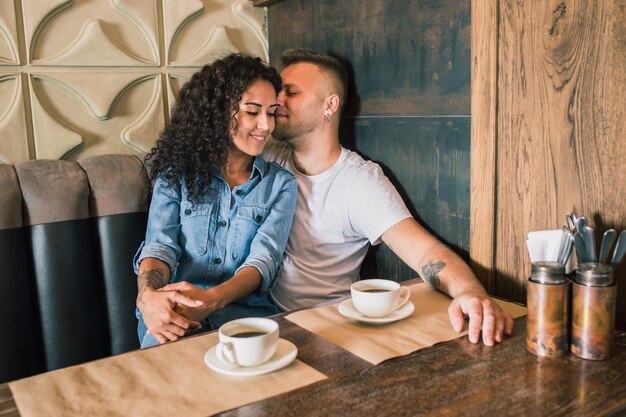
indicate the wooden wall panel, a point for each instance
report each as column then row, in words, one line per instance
column 410, row 57
column 427, row 159
column 410, row 101
column 560, row 123
column 483, row 137
column 92, row 77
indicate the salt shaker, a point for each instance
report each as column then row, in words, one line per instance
column 547, row 298
column 593, row 311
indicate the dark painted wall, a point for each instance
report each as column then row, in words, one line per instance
column 410, row 100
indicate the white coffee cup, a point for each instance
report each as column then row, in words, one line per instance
column 378, row 297
column 247, row 342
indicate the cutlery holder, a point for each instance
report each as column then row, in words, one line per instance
column 593, row 311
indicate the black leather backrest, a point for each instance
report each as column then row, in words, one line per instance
column 68, row 233
column 21, row 350
column 119, row 214
column 71, row 303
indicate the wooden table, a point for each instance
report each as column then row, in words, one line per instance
column 454, row 378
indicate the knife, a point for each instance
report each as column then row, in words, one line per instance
column 590, row 243
column 605, row 247
column 620, row 249
column 581, row 251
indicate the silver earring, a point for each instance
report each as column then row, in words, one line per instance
column 327, row 117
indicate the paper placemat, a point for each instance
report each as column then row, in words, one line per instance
column 429, row 324
column 169, row 380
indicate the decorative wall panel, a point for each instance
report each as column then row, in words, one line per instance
column 9, row 49
column 13, row 137
column 174, row 84
column 79, row 78
column 197, row 31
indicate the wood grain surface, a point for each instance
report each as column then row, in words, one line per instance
column 452, row 378
column 560, row 124
column 483, row 139
column 458, row 378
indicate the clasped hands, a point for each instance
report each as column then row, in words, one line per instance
column 175, row 309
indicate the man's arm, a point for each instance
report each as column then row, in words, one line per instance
column 446, row 271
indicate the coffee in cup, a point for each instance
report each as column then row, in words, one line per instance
column 247, row 342
column 248, row 334
column 378, row 297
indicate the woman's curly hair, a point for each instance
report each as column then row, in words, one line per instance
column 196, row 140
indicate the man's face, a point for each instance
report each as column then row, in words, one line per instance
column 301, row 101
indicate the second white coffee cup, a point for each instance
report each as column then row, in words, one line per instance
column 247, row 342
column 378, row 297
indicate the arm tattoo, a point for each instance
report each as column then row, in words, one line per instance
column 149, row 279
column 430, row 271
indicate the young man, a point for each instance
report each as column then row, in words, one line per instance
column 346, row 203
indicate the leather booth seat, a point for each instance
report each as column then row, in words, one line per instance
column 68, row 233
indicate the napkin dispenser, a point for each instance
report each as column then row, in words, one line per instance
column 547, row 297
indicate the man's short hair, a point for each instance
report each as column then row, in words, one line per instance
column 327, row 63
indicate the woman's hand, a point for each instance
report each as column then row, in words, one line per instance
column 162, row 321
column 157, row 308
column 246, row 281
column 210, row 297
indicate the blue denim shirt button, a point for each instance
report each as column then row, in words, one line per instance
column 239, row 192
column 222, row 223
column 217, row 261
column 259, row 218
column 188, row 212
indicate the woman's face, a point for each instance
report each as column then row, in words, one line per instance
column 255, row 118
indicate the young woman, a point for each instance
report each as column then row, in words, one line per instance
column 220, row 215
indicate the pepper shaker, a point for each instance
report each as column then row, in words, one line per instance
column 547, row 298
column 593, row 311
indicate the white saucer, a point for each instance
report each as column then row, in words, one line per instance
column 286, row 352
column 346, row 309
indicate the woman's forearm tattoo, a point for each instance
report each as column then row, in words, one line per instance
column 149, row 279
column 430, row 271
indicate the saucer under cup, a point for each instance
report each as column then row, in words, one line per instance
column 346, row 309
column 286, row 353
column 247, row 342
column 378, row 297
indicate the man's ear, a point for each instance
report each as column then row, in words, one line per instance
column 332, row 104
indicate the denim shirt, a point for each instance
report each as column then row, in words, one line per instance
column 206, row 243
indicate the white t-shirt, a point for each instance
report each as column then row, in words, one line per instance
column 338, row 214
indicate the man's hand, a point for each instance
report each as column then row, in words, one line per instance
column 210, row 298
column 484, row 314
column 157, row 310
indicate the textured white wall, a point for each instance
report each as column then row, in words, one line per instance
column 86, row 77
